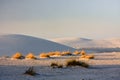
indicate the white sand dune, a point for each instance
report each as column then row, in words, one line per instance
column 12, row 43
column 89, row 43
column 105, row 66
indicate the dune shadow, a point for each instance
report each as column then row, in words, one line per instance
column 104, row 66
column 104, row 55
column 107, row 59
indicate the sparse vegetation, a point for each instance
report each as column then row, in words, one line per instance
column 71, row 63
column 90, row 56
column 77, row 53
column 55, row 65
column 44, row 55
column 66, row 53
column 87, row 56
column 18, row 55
column 83, row 52
column 84, row 55
column 30, row 56
column 55, row 54
column 51, row 53
column 30, row 71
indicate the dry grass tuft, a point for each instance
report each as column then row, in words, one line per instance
column 55, row 54
column 30, row 56
column 83, row 52
column 66, row 53
column 18, row 55
column 44, row 55
column 77, row 53
column 51, row 53
column 87, row 56
column 90, row 56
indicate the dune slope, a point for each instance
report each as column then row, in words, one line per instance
column 10, row 44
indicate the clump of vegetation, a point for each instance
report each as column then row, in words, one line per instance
column 83, row 52
column 30, row 56
column 51, row 53
column 87, row 56
column 77, row 53
column 66, row 53
column 71, row 63
column 30, row 71
column 82, row 56
column 44, row 55
column 55, row 54
column 18, row 55
column 55, row 65
column 90, row 56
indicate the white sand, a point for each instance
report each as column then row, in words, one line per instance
column 78, row 43
column 105, row 66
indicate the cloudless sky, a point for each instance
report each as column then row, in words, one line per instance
column 95, row 19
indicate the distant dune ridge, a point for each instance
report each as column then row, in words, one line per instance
column 12, row 43
column 89, row 43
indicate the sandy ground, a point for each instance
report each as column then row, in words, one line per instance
column 105, row 66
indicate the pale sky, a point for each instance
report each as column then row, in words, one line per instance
column 95, row 19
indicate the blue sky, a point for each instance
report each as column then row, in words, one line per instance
column 94, row 19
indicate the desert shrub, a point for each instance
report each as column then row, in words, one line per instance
column 66, row 53
column 60, row 66
column 55, row 65
column 77, row 52
column 30, row 71
column 18, row 55
column 83, row 52
column 71, row 63
column 87, row 56
column 82, row 56
column 30, row 56
column 90, row 56
column 51, row 53
column 55, row 54
column 44, row 55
